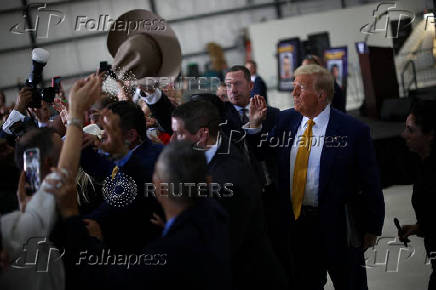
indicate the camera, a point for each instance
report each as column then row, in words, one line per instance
column 107, row 68
column 39, row 60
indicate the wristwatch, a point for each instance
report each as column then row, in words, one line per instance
column 75, row 122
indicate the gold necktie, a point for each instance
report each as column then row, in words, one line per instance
column 300, row 169
column 114, row 172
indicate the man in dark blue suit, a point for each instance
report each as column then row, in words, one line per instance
column 125, row 168
column 327, row 168
column 259, row 86
column 193, row 251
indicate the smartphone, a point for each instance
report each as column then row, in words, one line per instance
column 32, row 169
column 56, row 84
column 104, row 66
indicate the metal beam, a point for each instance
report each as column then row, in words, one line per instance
column 278, row 10
column 153, row 7
column 29, row 23
column 343, row 4
column 24, row 7
column 177, row 20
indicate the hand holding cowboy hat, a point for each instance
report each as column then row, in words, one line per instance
column 148, row 51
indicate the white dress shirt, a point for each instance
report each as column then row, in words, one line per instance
column 211, row 151
column 313, row 166
column 153, row 98
column 14, row 116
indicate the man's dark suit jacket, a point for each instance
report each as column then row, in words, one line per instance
column 194, row 254
column 348, row 176
column 120, row 224
column 254, row 262
column 339, row 101
column 259, row 88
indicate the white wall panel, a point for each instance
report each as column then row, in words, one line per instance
column 63, row 60
column 16, row 66
column 171, row 9
column 10, row 4
column 265, row 36
column 90, row 52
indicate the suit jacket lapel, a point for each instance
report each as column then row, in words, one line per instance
column 328, row 154
column 233, row 116
column 291, row 129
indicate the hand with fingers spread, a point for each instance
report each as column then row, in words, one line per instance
column 23, row 100
column 65, row 192
column 258, row 111
column 83, row 94
column 60, row 104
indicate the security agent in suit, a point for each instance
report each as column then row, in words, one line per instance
column 236, row 115
column 332, row 182
column 254, row 264
column 192, row 252
column 233, row 118
column 259, row 86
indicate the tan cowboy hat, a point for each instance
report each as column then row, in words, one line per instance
column 143, row 43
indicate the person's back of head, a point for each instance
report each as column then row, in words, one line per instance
column 180, row 165
column 199, row 114
column 424, row 112
column 213, row 99
column 49, row 143
column 251, row 66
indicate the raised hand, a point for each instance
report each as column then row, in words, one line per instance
column 258, row 111
column 64, row 190
column 23, row 100
column 83, row 94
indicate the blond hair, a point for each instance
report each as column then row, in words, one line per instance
column 323, row 80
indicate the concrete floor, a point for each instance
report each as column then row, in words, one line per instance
column 391, row 265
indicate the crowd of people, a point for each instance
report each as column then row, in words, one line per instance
column 220, row 192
